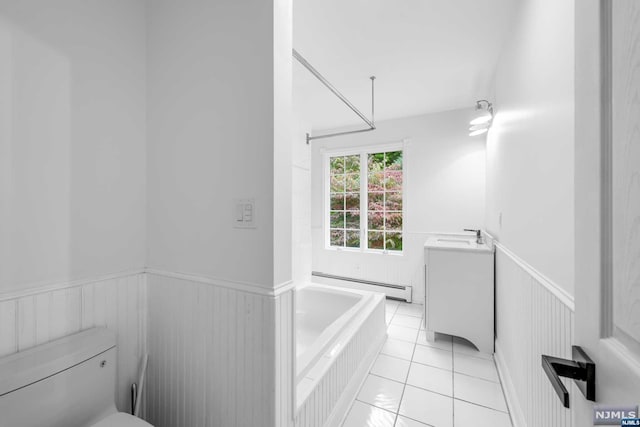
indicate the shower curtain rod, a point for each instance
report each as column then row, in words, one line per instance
column 340, row 96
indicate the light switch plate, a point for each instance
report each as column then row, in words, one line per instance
column 244, row 213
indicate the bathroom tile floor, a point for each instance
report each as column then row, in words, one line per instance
column 416, row 383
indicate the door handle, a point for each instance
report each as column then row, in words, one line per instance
column 581, row 369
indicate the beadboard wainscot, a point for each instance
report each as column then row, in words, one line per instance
column 43, row 313
column 534, row 316
column 222, row 352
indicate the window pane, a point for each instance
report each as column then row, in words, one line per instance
column 352, row 201
column 375, row 162
column 376, row 240
column 393, row 221
column 375, row 181
column 376, row 201
column 353, row 239
column 352, row 182
column 337, row 219
column 393, row 180
column 375, row 221
column 337, row 237
column 352, row 220
column 384, row 200
column 393, row 201
column 352, row 164
column 336, row 165
column 393, row 160
column 337, row 202
column 337, row 183
column 393, row 241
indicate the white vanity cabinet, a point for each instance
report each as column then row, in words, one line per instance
column 459, row 294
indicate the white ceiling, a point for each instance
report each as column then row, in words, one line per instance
column 427, row 55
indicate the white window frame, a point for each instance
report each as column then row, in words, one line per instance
column 363, row 152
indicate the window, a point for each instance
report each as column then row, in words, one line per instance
column 345, row 201
column 371, row 183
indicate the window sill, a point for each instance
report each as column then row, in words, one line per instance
column 365, row 251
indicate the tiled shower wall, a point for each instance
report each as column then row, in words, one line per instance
column 117, row 302
column 533, row 317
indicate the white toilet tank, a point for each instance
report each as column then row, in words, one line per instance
column 69, row 382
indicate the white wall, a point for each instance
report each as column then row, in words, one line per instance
column 301, row 201
column 72, row 175
column 215, row 119
column 531, row 144
column 444, row 192
column 530, row 183
column 72, row 140
column 219, row 97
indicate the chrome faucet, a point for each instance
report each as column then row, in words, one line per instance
column 479, row 240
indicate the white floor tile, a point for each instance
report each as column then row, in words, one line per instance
column 391, row 368
column 475, row 367
column 408, row 422
column 442, row 341
column 402, row 333
column 364, row 415
column 460, row 345
column 406, row 321
column 381, row 392
column 398, row 348
column 430, row 378
column 427, row 407
column 479, row 391
column 388, row 318
column 468, row 414
column 433, row 356
column 391, row 303
column 415, row 310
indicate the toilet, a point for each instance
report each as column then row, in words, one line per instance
column 69, row 382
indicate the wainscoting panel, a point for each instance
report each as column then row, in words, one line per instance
column 337, row 387
column 115, row 302
column 285, row 358
column 533, row 317
column 214, row 354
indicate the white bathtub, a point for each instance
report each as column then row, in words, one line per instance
column 338, row 332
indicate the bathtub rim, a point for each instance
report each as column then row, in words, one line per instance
column 328, row 337
column 346, row 335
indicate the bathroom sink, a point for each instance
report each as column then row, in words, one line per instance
column 462, row 242
column 459, row 293
column 456, row 243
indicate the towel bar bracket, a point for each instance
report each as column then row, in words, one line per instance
column 581, row 369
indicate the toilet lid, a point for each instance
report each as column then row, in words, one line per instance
column 120, row 419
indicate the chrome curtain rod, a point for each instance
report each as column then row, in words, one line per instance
column 340, row 96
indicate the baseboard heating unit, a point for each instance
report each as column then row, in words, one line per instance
column 397, row 292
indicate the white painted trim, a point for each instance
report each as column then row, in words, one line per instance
column 55, row 286
column 348, row 396
column 357, row 149
column 618, row 351
column 43, row 287
column 363, row 151
column 237, row 286
column 557, row 291
column 515, row 411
